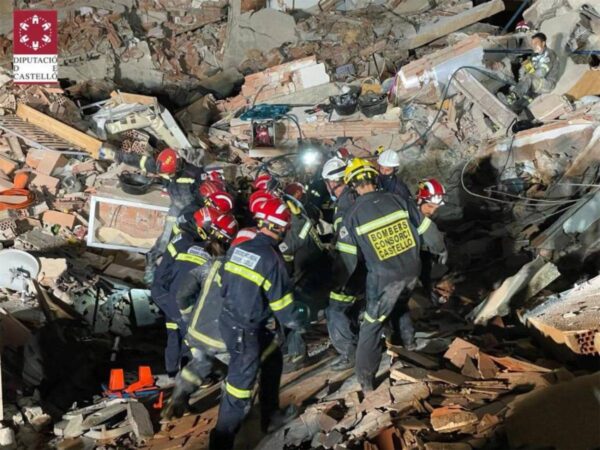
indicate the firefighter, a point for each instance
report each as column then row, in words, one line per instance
column 256, row 289
column 389, row 181
column 430, row 197
column 199, row 301
column 342, row 311
column 386, row 232
column 181, row 179
column 186, row 250
column 537, row 75
column 342, row 195
column 211, row 194
column 302, row 245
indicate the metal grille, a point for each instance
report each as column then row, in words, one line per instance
column 34, row 135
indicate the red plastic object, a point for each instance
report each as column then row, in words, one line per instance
column 117, row 380
column 159, row 402
column 145, row 380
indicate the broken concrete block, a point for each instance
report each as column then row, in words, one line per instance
column 36, row 416
column 477, row 93
column 58, row 218
column 498, row 303
column 449, row 419
column 138, row 416
column 51, row 161
column 51, row 269
column 74, row 427
column 570, row 318
column 550, row 106
column 7, row 438
column 276, row 28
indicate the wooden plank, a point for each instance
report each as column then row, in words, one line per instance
column 124, row 97
column 51, row 125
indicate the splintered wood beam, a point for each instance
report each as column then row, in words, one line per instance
column 64, row 131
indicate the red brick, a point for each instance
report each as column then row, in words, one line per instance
column 7, row 165
column 40, row 181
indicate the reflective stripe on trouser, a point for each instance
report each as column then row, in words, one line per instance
column 200, row 367
column 380, row 306
column 246, row 349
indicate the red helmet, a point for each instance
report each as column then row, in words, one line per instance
column 294, row 188
column 431, row 191
column 244, row 235
column 257, row 198
column 262, row 182
column 211, row 222
column 167, row 162
column 523, row 26
column 274, row 212
column 216, row 176
column 216, row 197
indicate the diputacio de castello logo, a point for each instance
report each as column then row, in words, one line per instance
column 35, row 46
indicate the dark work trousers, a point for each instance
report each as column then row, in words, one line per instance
column 383, row 297
column 250, row 350
column 342, row 320
column 176, row 331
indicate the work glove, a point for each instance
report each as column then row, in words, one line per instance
column 528, row 66
column 442, row 258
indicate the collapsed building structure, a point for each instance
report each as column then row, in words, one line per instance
column 239, row 85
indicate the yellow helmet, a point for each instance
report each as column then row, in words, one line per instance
column 359, row 170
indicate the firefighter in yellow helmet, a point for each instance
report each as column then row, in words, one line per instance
column 386, row 232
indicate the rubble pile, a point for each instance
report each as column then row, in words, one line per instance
column 469, row 399
column 233, row 84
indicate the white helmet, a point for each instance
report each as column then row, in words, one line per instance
column 333, row 169
column 389, row 158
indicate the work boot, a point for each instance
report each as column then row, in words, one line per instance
column 342, row 362
column 280, row 418
column 367, row 385
column 407, row 331
column 220, row 441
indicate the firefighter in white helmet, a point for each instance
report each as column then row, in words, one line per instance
column 389, row 181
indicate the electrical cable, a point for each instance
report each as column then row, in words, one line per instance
column 530, row 201
column 295, row 120
column 29, row 198
column 445, row 96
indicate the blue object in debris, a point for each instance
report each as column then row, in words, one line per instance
column 265, row 112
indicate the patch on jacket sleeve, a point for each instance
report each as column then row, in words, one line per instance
column 343, row 232
column 196, row 250
column 244, row 258
column 283, row 247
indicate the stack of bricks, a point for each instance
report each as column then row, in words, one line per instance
column 135, row 142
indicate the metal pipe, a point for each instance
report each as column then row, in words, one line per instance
column 514, row 16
